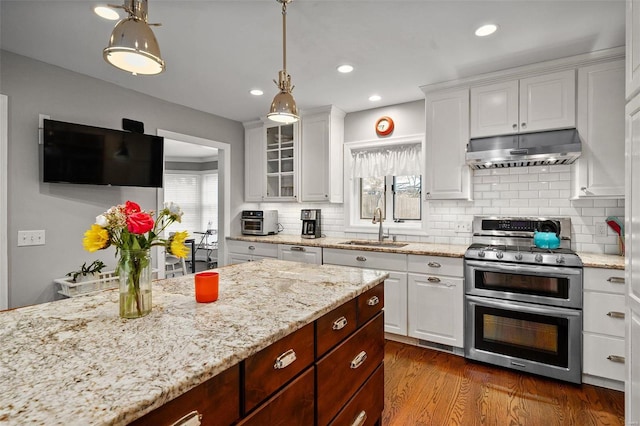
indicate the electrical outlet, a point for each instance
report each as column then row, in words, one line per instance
column 31, row 238
column 601, row 229
column 463, row 226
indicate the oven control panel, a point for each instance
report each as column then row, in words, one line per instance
column 508, row 225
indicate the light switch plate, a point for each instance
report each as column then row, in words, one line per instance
column 31, row 238
column 463, row 226
column 601, row 229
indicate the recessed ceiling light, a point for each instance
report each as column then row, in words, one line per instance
column 486, row 30
column 256, row 92
column 106, row 13
column 345, row 68
column 374, row 98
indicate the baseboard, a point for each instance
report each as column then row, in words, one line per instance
column 424, row 344
column 603, row 382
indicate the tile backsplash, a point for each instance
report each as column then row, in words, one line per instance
column 518, row 191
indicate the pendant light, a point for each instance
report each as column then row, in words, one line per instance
column 283, row 108
column 132, row 46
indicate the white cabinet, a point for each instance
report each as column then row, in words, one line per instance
column 632, row 48
column 604, row 327
column 271, row 161
column 395, row 287
column 321, row 155
column 447, row 177
column 599, row 172
column 436, row 299
column 303, row 254
column 248, row 251
column 542, row 102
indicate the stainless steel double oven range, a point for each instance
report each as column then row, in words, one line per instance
column 523, row 304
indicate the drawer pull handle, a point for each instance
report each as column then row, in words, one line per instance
column 251, row 247
column 340, row 323
column 358, row 360
column 373, row 301
column 361, row 259
column 434, row 265
column 359, row 421
column 297, row 248
column 616, row 358
column 285, row 359
column 614, row 314
column 191, row 419
column 616, row 280
column 433, row 279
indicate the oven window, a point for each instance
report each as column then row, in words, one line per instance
column 252, row 225
column 534, row 337
column 549, row 286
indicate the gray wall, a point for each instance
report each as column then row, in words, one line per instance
column 66, row 211
column 408, row 119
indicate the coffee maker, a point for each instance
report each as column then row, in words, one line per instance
column 310, row 223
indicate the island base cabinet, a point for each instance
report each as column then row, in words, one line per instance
column 342, row 371
column 217, row 400
column 365, row 407
column 294, row 405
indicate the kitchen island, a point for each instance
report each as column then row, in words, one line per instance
column 75, row 361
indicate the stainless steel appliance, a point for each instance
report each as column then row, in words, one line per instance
column 311, row 219
column 523, row 304
column 259, row 222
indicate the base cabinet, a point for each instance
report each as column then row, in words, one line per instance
column 303, row 254
column 246, row 251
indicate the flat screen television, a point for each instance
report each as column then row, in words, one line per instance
column 75, row 153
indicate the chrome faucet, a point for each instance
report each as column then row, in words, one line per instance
column 381, row 235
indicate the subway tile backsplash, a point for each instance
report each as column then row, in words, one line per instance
column 520, row 191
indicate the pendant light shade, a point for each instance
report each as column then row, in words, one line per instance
column 284, row 108
column 133, row 46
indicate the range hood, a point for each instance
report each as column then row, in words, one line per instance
column 526, row 149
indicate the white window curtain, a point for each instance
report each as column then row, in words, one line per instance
column 184, row 189
column 398, row 160
column 210, row 201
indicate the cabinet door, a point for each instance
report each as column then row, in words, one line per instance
column 234, row 258
column 494, row 109
column 300, row 254
column 315, row 158
column 281, row 162
column 447, row 177
column 599, row 171
column 436, row 309
column 548, row 102
column 254, row 176
column 395, row 303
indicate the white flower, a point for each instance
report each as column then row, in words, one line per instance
column 173, row 208
column 101, row 220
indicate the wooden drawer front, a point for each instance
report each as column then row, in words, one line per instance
column 335, row 326
column 434, row 265
column 258, row 249
column 366, row 406
column 609, row 280
column 604, row 313
column 340, row 375
column 365, row 259
column 293, row 405
column 261, row 376
column 370, row 303
column 604, row 356
column 217, row 399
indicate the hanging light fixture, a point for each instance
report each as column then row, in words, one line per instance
column 283, row 107
column 132, row 46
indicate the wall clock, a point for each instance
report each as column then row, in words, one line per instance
column 384, row 126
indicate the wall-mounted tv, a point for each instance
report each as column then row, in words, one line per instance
column 75, row 153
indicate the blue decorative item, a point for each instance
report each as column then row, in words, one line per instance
column 546, row 240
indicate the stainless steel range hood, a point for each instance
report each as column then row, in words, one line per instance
column 527, row 149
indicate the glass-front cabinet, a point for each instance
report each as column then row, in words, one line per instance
column 281, row 166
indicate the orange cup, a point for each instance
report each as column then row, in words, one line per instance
column 207, row 287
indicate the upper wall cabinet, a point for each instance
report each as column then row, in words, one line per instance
column 254, row 176
column 447, row 177
column 633, row 48
column 599, row 172
column 542, row 102
column 322, row 155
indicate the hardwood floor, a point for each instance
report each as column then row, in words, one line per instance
column 427, row 387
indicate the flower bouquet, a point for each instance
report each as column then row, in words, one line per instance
column 133, row 231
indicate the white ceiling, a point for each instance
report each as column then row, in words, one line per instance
column 217, row 50
column 184, row 151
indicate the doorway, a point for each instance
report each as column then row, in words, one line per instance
column 4, row 140
column 204, row 147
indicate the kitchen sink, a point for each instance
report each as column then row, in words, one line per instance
column 372, row 243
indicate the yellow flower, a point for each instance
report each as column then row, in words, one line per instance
column 176, row 244
column 96, row 238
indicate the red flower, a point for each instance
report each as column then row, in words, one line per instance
column 130, row 207
column 139, row 222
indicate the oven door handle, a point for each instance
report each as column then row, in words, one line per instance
column 524, row 307
column 538, row 270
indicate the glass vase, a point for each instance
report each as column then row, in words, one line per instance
column 134, row 270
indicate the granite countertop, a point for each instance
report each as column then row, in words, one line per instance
column 593, row 260
column 74, row 361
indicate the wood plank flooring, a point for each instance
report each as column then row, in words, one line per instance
column 427, row 387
